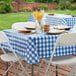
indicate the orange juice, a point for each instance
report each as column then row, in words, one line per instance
column 38, row 15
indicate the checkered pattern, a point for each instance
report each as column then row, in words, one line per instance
column 36, row 46
column 70, row 21
column 31, row 18
column 60, row 21
column 22, row 45
column 55, row 21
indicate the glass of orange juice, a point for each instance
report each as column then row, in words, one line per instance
column 38, row 16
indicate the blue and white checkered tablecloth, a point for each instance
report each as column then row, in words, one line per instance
column 36, row 46
column 55, row 21
column 31, row 18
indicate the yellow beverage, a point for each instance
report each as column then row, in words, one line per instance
column 38, row 15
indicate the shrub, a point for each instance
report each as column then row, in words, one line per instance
column 65, row 4
column 22, row 9
column 25, row 10
column 28, row 9
column 62, row 5
column 2, row 10
column 68, row 4
column 6, row 6
column 45, row 7
column 72, row 7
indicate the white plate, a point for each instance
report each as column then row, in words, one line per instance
column 62, row 27
column 56, row 31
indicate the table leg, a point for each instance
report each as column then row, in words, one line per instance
column 6, row 65
column 7, row 68
column 56, row 70
column 32, row 73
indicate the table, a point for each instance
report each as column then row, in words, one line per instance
column 55, row 21
column 36, row 46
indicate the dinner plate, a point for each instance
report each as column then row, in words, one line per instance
column 24, row 30
column 55, row 32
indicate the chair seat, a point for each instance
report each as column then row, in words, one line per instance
column 63, row 60
column 10, row 57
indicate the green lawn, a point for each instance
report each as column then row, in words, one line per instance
column 64, row 12
column 6, row 20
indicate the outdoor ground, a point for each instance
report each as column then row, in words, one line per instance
column 6, row 20
column 63, row 69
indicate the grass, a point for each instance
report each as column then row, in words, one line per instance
column 63, row 12
column 6, row 20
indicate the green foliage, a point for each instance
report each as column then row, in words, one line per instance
column 25, row 10
column 64, row 4
column 2, row 10
column 31, row 1
column 61, row 4
column 68, row 4
column 73, row 0
column 6, row 6
column 72, row 7
column 47, row 1
column 45, row 7
column 43, row 1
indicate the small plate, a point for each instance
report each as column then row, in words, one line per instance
column 51, row 14
column 61, row 27
column 31, row 27
column 73, row 15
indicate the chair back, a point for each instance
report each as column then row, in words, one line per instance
column 74, row 29
column 68, row 39
column 3, row 38
column 22, row 25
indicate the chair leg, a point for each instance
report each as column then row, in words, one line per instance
column 47, row 69
column 16, row 70
column 24, row 70
column 8, row 69
column 72, row 71
column 51, row 72
column 56, row 70
column 40, row 65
